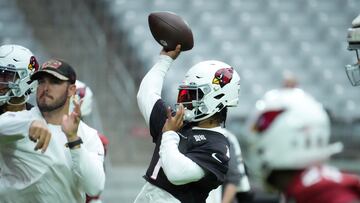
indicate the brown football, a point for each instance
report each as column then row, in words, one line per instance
column 169, row 29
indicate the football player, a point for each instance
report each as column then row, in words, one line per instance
column 191, row 153
column 85, row 95
column 353, row 38
column 17, row 64
column 289, row 147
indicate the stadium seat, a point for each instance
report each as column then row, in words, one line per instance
column 262, row 38
column 290, row 6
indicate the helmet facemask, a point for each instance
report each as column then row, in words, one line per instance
column 7, row 80
column 16, row 66
column 353, row 39
column 353, row 71
column 208, row 87
column 192, row 99
column 14, row 83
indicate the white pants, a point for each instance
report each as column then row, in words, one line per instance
column 152, row 194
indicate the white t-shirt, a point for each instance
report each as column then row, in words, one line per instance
column 59, row 174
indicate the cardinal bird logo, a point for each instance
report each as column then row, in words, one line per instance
column 81, row 92
column 223, row 76
column 33, row 64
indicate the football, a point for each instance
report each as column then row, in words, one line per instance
column 169, row 29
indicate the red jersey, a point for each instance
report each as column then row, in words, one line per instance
column 323, row 184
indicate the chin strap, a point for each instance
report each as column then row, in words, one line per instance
column 26, row 98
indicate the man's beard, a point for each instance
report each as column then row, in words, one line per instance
column 51, row 107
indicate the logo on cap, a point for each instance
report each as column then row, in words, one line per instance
column 52, row 64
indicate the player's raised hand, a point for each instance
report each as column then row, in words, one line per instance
column 39, row 133
column 173, row 53
column 70, row 123
column 174, row 123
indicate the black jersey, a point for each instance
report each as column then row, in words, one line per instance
column 207, row 148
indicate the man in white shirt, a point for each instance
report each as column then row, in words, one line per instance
column 70, row 163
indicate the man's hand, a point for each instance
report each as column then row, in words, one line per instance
column 39, row 132
column 174, row 123
column 174, row 53
column 70, row 123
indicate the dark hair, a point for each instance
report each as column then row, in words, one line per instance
column 221, row 116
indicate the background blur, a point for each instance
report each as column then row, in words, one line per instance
column 109, row 43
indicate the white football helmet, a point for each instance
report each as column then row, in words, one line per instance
column 17, row 64
column 83, row 92
column 289, row 130
column 208, row 87
column 353, row 38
